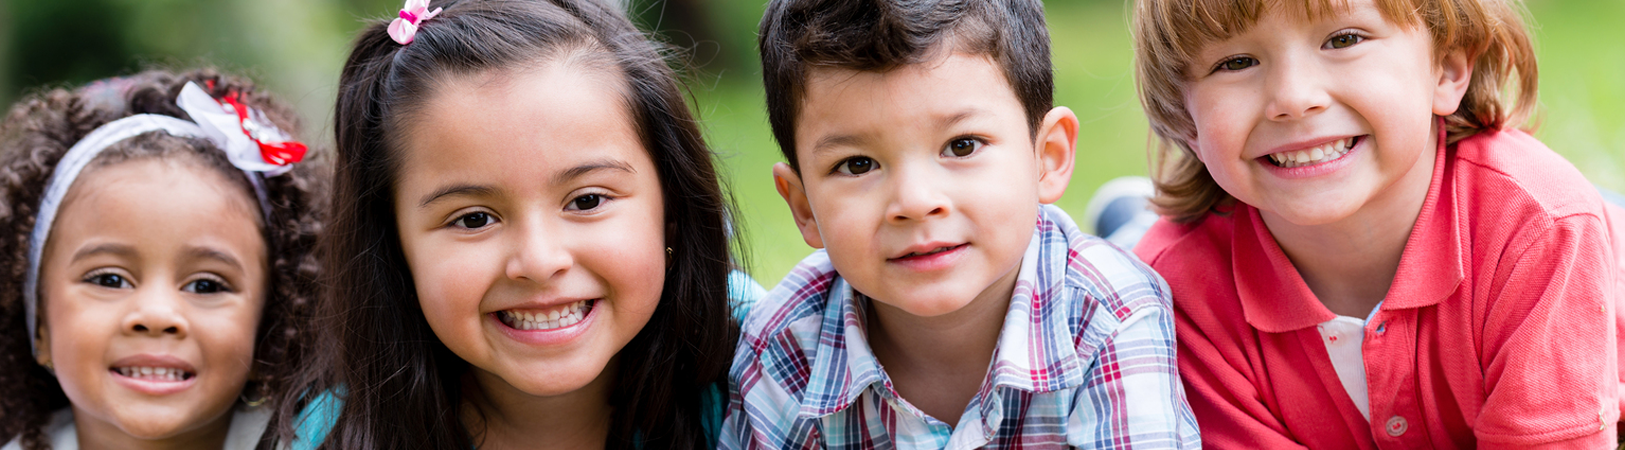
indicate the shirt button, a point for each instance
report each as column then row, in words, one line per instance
column 1397, row 426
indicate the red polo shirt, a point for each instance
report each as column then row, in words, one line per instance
column 1498, row 330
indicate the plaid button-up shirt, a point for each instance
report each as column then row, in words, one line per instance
column 1085, row 359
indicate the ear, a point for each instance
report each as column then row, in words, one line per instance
column 42, row 346
column 789, row 185
column 1057, row 144
column 1455, row 74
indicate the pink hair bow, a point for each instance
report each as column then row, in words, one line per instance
column 405, row 27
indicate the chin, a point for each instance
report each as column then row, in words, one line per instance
column 541, row 382
column 935, row 306
column 155, row 426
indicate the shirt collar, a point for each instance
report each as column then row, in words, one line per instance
column 1275, row 299
column 1036, row 352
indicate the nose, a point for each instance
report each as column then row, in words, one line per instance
column 538, row 255
column 157, row 312
column 1294, row 90
column 916, row 196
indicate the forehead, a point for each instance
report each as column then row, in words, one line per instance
column 159, row 206
column 1195, row 23
column 510, row 126
column 844, row 102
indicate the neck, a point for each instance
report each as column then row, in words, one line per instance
column 95, row 434
column 1350, row 264
column 938, row 363
column 502, row 417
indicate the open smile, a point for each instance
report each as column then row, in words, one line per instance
column 546, row 319
column 1322, row 154
column 153, row 374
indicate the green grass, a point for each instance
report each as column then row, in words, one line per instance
column 1582, row 96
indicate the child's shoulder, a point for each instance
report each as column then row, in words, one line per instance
column 1511, row 174
column 802, row 294
column 1170, row 246
column 1117, row 278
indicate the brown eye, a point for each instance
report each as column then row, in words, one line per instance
column 587, row 202
column 856, row 165
column 961, row 147
column 473, row 221
column 1238, row 63
column 205, row 286
column 108, row 280
column 1343, row 41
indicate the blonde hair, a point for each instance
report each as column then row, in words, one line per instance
column 1169, row 33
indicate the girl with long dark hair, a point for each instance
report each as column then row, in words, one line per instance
column 527, row 246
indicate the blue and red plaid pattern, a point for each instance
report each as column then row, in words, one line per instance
column 1085, row 359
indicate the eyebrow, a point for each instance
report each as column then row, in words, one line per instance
column 456, row 190
column 856, row 140
column 210, row 253
column 105, row 249
column 590, row 167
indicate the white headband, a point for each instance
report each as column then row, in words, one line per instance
column 247, row 138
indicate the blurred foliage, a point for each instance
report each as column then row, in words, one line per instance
column 295, row 48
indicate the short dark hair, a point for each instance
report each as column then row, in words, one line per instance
column 881, row 35
column 399, row 384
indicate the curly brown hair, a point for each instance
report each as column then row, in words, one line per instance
column 42, row 127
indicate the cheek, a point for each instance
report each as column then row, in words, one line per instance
column 631, row 257
column 79, row 338
column 227, row 338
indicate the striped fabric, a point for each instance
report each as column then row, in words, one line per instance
column 1085, row 359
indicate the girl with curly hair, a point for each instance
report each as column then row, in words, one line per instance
column 155, row 262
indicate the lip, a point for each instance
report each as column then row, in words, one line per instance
column 556, row 336
column 931, row 262
column 1317, row 169
column 1306, row 144
column 153, row 387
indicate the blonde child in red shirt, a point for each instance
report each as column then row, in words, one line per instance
column 1364, row 251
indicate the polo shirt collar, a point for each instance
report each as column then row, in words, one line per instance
column 1275, row 299
column 1035, row 353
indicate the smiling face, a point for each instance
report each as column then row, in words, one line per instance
column 1315, row 120
column 923, row 182
column 153, row 284
column 532, row 220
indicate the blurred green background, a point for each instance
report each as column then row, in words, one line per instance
column 295, row 48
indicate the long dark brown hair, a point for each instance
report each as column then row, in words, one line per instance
column 41, row 128
column 399, row 385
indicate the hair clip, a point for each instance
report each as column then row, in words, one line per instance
column 405, row 27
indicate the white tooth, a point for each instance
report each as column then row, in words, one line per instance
column 146, row 371
column 553, row 315
column 1316, row 154
column 567, row 321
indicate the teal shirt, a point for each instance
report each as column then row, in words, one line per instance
column 318, row 418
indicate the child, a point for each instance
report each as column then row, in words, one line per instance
column 528, row 240
column 157, row 263
column 951, row 305
column 1363, row 251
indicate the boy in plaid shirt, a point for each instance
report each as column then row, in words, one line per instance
column 951, row 305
